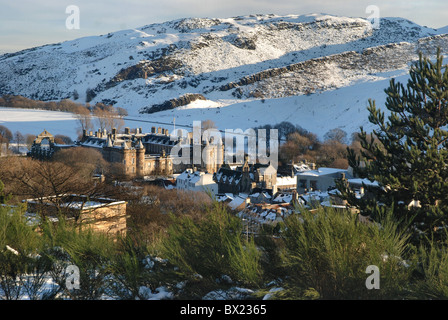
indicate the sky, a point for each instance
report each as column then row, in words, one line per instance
column 30, row 23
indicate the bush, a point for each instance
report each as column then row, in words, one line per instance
column 67, row 244
column 19, row 248
column 327, row 253
column 211, row 253
column 135, row 273
column 431, row 281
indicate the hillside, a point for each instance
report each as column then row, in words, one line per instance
column 316, row 71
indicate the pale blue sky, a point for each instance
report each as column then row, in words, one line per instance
column 27, row 23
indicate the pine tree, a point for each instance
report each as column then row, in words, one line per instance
column 407, row 154
column 3, row 196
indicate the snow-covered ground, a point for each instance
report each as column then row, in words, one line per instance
column 344, row 108
column 28, row 121
column 213, row 53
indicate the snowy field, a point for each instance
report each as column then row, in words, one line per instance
column 28, row 121
column 344, row 108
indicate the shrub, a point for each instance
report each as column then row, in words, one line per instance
column 211, row 251
column 19, row 248
column 431, row 280
column 90, row 251
column 327, row 253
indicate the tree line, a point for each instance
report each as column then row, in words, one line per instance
column 107, row 116
column 14, row 141
column 299, row 145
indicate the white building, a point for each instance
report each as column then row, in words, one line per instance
column 196, row 181
column 286, row 183
column 319, row 179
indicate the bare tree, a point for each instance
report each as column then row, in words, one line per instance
column 108, row 119
column 52, row 182
column 29, row 139
column 208, row 124
column 88, row 160
column 62, row 139
column 122, row 112
column 19, row 139
column 100, row 118
column 84, row 118
column 336, row 134
column 5, row 137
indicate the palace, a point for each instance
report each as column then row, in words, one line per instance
column 137, row 154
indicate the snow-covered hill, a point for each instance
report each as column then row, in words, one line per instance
column 316, row 71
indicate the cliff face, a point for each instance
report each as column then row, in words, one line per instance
column 334, row 71
column 162, row 66
column 174, row 103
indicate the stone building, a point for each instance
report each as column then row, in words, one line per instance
column 144, row 154
column 320, row 179
column 136, row 154
column 190, row 180
column 101, row 214
column 243, row 179
column 44, row 146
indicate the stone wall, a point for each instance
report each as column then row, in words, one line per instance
column 102, row 215
column 110, row 219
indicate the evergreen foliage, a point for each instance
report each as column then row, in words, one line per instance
column 407, row 154
column 431, row 279
column 207, row 250
column 4, row 198
column 327, row 252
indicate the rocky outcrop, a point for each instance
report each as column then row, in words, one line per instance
column 242, row 41
column 274, row 72
column 298, row 77
column 146, row 69
column 263, row 55
column 173, row 103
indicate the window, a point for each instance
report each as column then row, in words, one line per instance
column 302, row 183
column 313, row 184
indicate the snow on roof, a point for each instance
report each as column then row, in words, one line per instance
column 283, row 197
column 315, row 196
column 301, row 167
column 286, row 180
column 96, row 143
column 360, row 181
column 223, row 197
column 84, row 205
column 256, row 194
column 321, row 172
column 237, row 201
column 271, row 216
column 329, row 204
